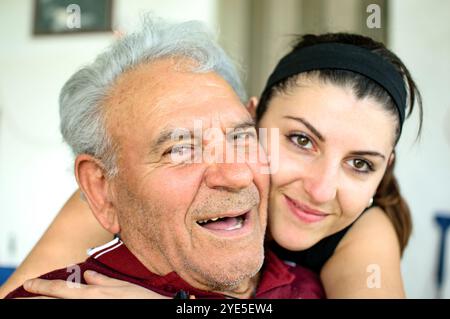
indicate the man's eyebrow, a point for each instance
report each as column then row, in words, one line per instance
column 370, row 153
column 308, row 125
column 243, row 125
column 165, row 136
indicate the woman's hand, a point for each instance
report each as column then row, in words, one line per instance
column 98, row 287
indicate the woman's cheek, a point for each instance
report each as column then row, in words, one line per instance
column 291, row 170
column 353, row 199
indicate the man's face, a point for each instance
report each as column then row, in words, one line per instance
column 163, row 205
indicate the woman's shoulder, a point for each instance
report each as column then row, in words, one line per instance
column 372, row 228
column 370, row 246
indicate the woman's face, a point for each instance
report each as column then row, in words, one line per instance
column 333, row 152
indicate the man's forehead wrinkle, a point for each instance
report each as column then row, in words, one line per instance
column 214, row 84
column 186, row 105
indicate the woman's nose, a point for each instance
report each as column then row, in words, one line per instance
column 321, row 182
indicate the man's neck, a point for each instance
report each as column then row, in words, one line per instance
column 154, row 264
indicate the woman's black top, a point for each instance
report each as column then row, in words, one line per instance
column 315, row 257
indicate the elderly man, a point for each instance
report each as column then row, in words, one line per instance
column 184, row 224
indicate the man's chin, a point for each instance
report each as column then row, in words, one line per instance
column 232, row 274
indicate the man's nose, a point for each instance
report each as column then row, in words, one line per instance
column 229, row 176
column 321, row 182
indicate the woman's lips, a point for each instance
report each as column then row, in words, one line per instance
column 303, row 212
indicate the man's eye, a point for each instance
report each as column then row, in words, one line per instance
column 243, row 136
column 181, row 153
column 361, row 165
column 301, row 141
column 182, row 149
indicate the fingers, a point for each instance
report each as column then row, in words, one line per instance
column 54, row 288
column 39, row 297
column 106, row 287
column 100, row 287
column 95, row 278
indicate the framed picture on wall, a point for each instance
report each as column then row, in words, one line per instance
column 72, row 16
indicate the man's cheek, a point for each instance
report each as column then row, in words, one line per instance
column 262, row 180
column 179, row 181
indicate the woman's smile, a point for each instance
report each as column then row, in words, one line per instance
column 304, row 212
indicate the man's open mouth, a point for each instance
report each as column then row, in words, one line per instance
column 225, row 223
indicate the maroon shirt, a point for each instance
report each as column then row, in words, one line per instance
column 277, row 280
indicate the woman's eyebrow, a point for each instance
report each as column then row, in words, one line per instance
column 371, row 153
column 308, row 125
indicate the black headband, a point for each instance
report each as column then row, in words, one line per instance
column 343, row 57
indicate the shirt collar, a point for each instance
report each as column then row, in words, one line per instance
column 274, row 274
column 116, row 256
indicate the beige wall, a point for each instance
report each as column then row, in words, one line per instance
column 258, row 32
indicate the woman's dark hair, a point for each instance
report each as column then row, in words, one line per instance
column 388, row 195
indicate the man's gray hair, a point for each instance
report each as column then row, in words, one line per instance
column 82, row 121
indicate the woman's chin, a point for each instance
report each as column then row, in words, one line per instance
column 296, row 241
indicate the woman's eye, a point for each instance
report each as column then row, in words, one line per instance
column 361, row 165
column 301, row 140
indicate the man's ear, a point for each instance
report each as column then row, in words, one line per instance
column 94, row 184
column 252, row 105
column 391, row 159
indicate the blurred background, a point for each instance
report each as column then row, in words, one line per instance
column 41, row 45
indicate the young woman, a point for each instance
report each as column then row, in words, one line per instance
column 339, row 102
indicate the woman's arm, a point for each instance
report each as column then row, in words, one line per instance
column 73, row 231
column 366, row 263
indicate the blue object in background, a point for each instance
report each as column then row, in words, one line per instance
column 5, row 272
column 443, row 220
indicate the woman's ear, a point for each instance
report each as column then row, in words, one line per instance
column 252, row 105
column 94, row 184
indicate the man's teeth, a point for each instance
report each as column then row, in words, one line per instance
column 239, row 223
column 208, row 220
